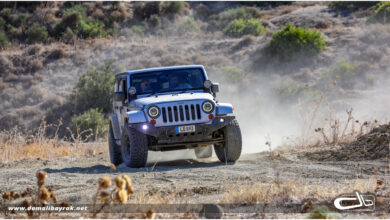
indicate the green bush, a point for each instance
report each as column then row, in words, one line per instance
column 381, row 13
column 225, row 18
column 6, row 13
column 155, row 21
column 323, row 212
column 2, row 23
column 294, row 43
column 89, row 124
column 240, row 27
column 138, row 29
column 233, row 74
column 351, row 5
column 344, row 72
column 290, row 90
column 186, row 25
column 84, row 27
column 95, row 89
column 172, row 7
column 36, row 33
column 3, row 40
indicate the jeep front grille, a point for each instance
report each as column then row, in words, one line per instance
column 181, row 113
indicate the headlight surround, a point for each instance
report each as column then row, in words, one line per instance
column 207, row 106
column 153, row 112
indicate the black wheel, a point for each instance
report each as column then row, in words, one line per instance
column 203, row 152
column 230, row 151
column 134, row 148
column 114, row 149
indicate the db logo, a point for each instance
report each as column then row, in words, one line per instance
column 357, row 202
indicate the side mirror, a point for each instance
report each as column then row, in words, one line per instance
column 215, row 87
column 207, row 84
column 119, row 96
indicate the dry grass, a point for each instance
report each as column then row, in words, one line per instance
column 15, row 145
column 295, row 190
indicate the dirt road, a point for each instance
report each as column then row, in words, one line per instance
column 201, row 181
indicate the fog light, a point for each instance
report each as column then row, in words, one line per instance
column 221, row 120
column 153, row 122
column 145, row 127
column 211, row 116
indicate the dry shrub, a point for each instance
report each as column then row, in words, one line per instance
column 17, row 146
column 244, row 42
column 33, row 50
column 57, row 54
column 322, row 24
column 202, row 11
column 35, row 65
column 287, row 190
column 173, row 60
column 5, row 64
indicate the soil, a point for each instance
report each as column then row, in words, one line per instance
column 75, row 179
column 373, row 146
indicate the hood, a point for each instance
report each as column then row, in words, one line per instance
column 171, row 98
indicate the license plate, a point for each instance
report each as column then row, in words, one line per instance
column 185, row 129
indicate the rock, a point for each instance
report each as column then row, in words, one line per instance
column 211, row 211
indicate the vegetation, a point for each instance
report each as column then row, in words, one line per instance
column 89, row 124
column 3, row 40
column 240, row 27
column 94, row 89
column 37, row 33
column 83, row 26
column 343, row 71
column 291, row 91
column 381, row 13
column 232, row 73
column 226, row 17
column 351, row 5
column 172, row 7
column 138, row 29
column 292, row 43
column 323, row 212
column 186, row 25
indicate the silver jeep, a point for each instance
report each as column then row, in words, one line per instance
column 170, row 108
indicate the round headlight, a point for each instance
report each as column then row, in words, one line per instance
column 154, row 111
column 207, row 106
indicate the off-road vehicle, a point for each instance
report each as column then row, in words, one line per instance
column 170, row 108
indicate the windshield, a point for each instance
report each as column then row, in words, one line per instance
column 168, row 80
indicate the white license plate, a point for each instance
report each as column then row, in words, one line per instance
column 185, row 129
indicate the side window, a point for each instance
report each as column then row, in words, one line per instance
column 122, row 85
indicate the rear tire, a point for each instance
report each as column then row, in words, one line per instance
column 134, row 148
column 114, row 149
column 230, row 151
column 203, row 152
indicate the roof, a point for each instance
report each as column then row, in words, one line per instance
column 161, row 68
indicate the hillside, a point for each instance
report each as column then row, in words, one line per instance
column 38, row 77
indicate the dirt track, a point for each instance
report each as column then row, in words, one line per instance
column 202, row 181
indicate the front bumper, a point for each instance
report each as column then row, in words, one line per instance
column 167, row 135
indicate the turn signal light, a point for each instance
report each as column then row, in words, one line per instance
column 211, row 116
column 153, row 122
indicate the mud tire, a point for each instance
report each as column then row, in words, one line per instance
column 134, row 148
column 114, row 149
column 230, row 151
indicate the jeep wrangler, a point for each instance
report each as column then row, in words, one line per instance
column 170, row 108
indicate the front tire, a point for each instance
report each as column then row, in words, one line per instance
column 230, row 151
column 114, row 149
column 134, row 148
column 203, row 152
